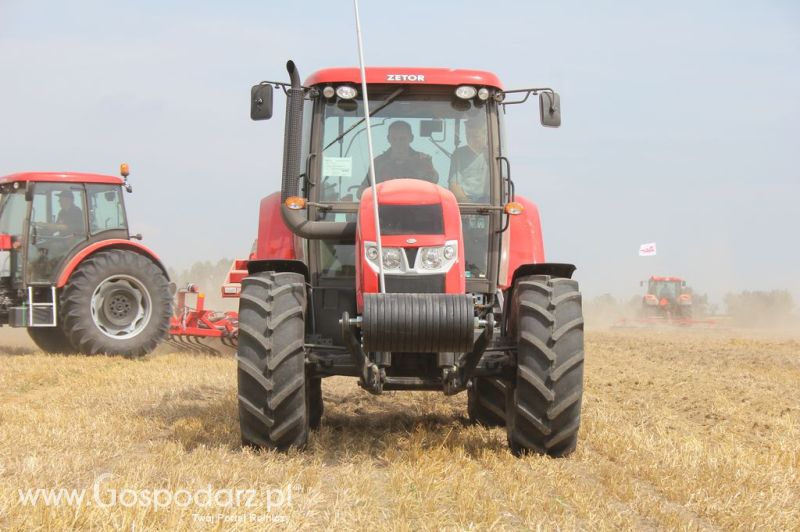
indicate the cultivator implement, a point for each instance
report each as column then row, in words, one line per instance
column 197, row 330
column 662, row 321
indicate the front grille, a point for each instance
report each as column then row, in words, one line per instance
column 415, row 284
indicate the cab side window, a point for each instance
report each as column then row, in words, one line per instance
column 106, row 210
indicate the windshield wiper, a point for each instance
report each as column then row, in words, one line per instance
column 389, row 100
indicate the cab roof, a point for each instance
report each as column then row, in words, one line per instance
column 665, row 279
column 61, row 177
column 406, row 75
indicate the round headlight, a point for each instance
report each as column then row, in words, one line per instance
column 328, row 92
column 346, row 92
column 372, row 253
column 483, row 93
column 449, row 252
column 431, row 258
column 465, row 92
column 391, row 258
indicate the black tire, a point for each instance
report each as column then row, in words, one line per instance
column 116, row 302
column 273, row 411
column 543, row 409
column 316, row 406
column 486, row 402
column 51, row 340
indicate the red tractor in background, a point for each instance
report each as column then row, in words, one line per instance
column 667, row 298
column 70, row 271
column 468, row 302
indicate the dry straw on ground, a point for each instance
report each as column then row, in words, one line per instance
column 695, row 431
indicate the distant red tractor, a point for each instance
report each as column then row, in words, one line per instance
column 70, row 271
column 667, row 298
column 468, row 301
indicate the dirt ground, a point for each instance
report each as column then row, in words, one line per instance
column 680, row 430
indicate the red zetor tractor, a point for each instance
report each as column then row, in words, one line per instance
column 468, row 302
column 69, row 270
column 667, row 298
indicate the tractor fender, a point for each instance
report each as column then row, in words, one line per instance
column 116, row 243
column 553, row 269
column 278, row 265
column 522, row 242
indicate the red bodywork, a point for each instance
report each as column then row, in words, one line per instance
column 275, row 240
column 408, row 192
column 522, row 242
column 64, row 177
column 5, row 242
column 400, row 75
column 115, row 243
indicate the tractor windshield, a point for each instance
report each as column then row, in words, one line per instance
column 665, row 289
column 435, row 137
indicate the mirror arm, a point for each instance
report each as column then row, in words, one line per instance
column 281, row 85
column 528, row 94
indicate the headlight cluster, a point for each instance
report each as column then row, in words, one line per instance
column 432, row 259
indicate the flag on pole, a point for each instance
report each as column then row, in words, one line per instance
column 647, row 250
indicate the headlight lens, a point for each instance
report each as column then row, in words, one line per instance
column 449, row 252
column 391, row 258
column 372, row 253
column 431, row 258
column 346, row 92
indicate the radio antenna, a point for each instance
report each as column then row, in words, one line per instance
column 382, row 280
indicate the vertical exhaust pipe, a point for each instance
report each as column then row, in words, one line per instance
column 297, row 221
column 292, row 135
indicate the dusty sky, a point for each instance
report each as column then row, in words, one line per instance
column 681, row 122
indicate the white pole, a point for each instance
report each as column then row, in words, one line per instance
column 371, row 155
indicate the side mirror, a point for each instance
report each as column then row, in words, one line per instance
column 641, row 283
column 550, row 109
column 261, row 102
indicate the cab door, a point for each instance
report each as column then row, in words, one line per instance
column 57, row 225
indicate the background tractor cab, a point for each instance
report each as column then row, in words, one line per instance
column 667, row 297
column 68, row 265
column 468, row 301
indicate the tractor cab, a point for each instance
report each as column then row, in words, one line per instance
column 666, row 297
column 46, row 218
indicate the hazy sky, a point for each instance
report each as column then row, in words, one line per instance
column 681, row 122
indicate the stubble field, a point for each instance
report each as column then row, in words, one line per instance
column 680, row 430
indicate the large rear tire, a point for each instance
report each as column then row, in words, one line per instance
column 543, row 411
column 486, row 402
column 51, row 340
column 273, row 408
column 116, row 302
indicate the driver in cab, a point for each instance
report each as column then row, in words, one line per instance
column 401, row 160
column 69, row 221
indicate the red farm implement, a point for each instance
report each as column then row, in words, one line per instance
column 197, row 329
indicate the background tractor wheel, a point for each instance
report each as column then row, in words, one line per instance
column 273, row 408
column 486, row 402
column 116, row 302
column 51, row 340
column 315, row 405
column 543, row 409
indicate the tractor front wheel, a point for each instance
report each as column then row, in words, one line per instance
column 51, row 340
column 486, row 402
column 543, row 409
column 315, row 404
column 116, row 302
column 273, row 405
